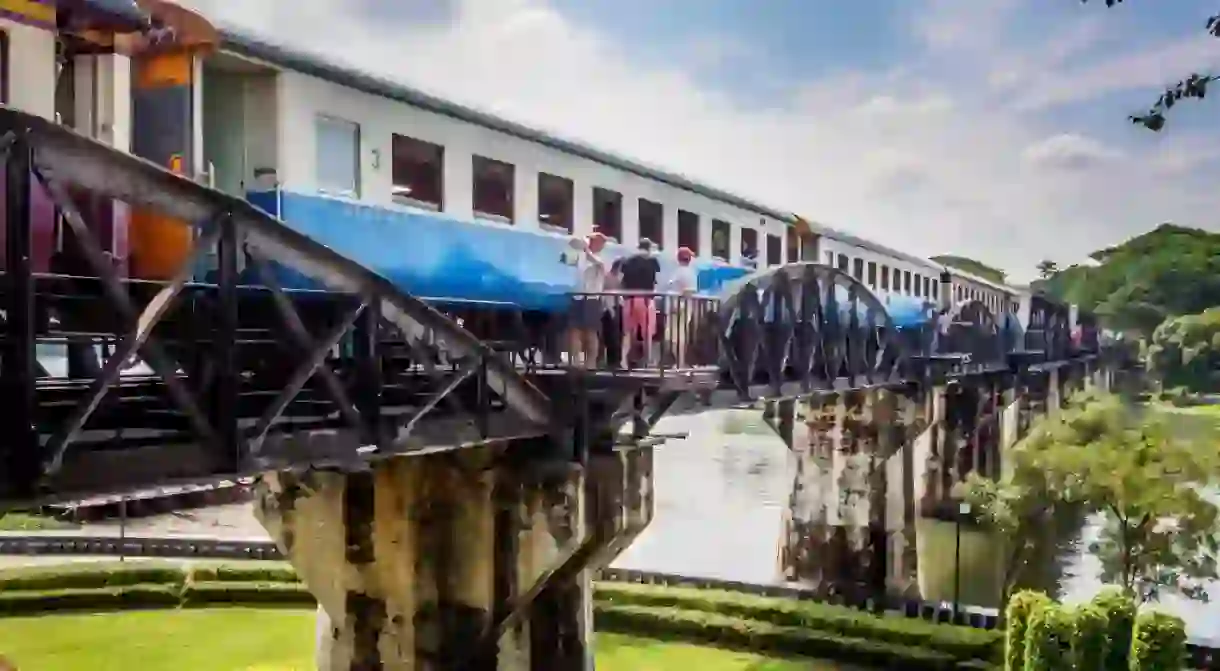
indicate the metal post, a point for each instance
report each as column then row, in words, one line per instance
column 963, row 510
column 19, row 455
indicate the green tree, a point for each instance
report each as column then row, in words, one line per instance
column 1047, row 268
column 1158, row 531
column 1194, row 86
column 1185, row 351
column 972, row 266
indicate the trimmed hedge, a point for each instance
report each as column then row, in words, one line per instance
column 1092, row 640
column 1158, row 642
column 1048, row 640
column 1021, row 607
column 732, row 632
column 99, row 598
column 960, row 643
column 1119, row 610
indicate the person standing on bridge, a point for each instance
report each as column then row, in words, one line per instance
column 589, row 304
column 639, row 276
column 680, row 319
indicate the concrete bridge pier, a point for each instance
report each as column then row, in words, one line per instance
column 458, row 560
column 850, row 525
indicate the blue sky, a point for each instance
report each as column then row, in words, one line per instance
column 991, row 128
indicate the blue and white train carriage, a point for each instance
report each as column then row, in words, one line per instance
column 456, row 205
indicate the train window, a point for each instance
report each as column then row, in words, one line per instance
column 337, row 156
column 906, row 282
column 3, row 68
column 794, row 245
column 493, row 188
column 935, row 290
column 749, row 243
column 721, row 239
column 885, row 278
column 830, row 258
column 556, row 198
column 872, row 274
column 927, row 287
column 775, row 250
column 417, row 172
column 857, row 269
column 688, row 230
column 918, row 285
column 608, row 213
column 652, row 222
column 843, row 262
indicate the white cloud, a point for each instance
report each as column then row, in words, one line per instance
column 926, row 161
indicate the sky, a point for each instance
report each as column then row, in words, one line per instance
column 994, row 129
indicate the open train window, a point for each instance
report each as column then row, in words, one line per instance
column 906, row 282
column 493, row 189
column 652, row 222
column 749, row 243
column 556, row 198
column 3, row 68
column 935, row 290
column 872, row 274
column 721, row 230
column 337, row 155
column 843, row 262
column 918, row 285
column 608, row 213
column 775, row 250
column 927, row 287
column 688, row 230
column 794, row 245
column 885, row 278
column 857, row 269
column 417, row 172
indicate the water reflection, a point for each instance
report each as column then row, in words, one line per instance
column 720, row 502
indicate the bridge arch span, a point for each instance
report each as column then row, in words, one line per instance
column 805, row 327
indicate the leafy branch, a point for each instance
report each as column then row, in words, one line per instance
column 1193, row 87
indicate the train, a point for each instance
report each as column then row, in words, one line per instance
column 451, row 204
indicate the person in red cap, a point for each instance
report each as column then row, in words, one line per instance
column 684, row 282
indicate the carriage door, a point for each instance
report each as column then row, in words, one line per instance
column 163, row 131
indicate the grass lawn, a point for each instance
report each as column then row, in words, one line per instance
column 251, row 639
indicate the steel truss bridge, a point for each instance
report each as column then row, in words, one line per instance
column 238, row 379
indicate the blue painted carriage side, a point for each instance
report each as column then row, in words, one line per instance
column 435, row 256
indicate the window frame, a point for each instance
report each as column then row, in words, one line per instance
column 334, row 121
column 511, row 217
column 410, row 201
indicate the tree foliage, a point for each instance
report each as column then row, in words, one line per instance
column 1047, row 268
column 1185, row 351
column 1159, row 533
column 1136, row 285
column 1191, row 87
column 972, row 266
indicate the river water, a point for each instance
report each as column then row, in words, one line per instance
column 720, row 498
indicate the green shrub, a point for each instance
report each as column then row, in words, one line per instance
column 265, row 573
column 84, row 576
column 732, row 632
column 101, row 598
column 1091, row 638
column 962, row 643
column 1158, row 642
column 1020, row 607
column 1048, row 639
column 261, row 593
column 1120, row 620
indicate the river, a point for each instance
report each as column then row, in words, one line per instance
column 720, row 499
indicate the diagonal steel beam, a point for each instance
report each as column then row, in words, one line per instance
column 137, row 335
column 305, row 342
column 409, row 425
column 122, row 302
column 300, row 376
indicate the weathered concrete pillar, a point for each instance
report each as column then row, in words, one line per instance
column 445, row 561
column 853, row 497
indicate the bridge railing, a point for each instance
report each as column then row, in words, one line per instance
column 638, row 332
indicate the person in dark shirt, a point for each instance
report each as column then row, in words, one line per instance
column 639, row 274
